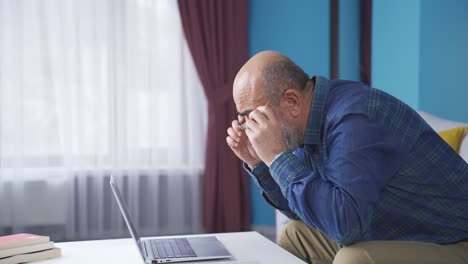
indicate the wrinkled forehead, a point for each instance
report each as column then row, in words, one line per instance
column 248, row 94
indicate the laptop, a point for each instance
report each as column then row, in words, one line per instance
column 174, row 249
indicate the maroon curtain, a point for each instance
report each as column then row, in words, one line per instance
column 216, row 32
column 366, row 40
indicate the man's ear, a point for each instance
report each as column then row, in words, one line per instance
column 292, row 102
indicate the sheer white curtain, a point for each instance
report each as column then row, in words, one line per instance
column 89, row 88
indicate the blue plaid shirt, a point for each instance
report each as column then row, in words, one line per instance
column 370, row 169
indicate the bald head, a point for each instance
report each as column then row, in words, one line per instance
column 265, row 77
column 270, row 78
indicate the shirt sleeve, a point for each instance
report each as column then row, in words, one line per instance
column 270, row 189
column 362, row 157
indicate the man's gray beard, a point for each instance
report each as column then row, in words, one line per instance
column 292, row 136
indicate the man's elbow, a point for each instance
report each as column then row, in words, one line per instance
column 344, row 240
column 344, row 234
column 349, row 224
column 348, row 236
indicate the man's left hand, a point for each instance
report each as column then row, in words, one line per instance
column 265, row 133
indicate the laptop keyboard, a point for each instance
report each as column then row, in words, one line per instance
column 171, row 248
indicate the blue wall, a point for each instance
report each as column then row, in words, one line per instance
column 395, row 48
column 300, row 30
column 444, row 58
column 420, row 55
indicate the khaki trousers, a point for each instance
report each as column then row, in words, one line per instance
column 314, row 247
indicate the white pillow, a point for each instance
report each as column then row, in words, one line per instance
column 464, row 149
column 440, row 124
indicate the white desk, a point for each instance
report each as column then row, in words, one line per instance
column 250, row 247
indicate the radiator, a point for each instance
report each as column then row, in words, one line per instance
column 83, row 206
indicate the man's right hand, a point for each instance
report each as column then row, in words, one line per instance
column 240, row 144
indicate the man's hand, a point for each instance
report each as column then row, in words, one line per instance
column 240, row 145
column 265, row 133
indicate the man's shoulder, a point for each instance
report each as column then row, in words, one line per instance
column 390, row 114
column 346, row 97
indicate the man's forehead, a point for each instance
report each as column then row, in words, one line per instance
column 248, row 92
column 248, row 102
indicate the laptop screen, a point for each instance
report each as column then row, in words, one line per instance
column 124, row 210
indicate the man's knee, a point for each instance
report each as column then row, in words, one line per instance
column 290, row 231
column 307, row 243
column 353, row 255
column 284, row 238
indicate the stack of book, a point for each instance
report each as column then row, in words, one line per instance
column 22, row 248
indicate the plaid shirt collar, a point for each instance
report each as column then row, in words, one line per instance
column 317, row 111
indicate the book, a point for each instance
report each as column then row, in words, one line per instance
column 26, row 249
column 34, row 256
column 21, row 240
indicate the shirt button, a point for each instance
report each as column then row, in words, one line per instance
column 316, row 156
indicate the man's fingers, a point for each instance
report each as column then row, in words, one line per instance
column 267, row 111
column 237, row 128
column 231, row 142
column 251, row 125
column 233, row 135
column 258, row 116
column 249, row 132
